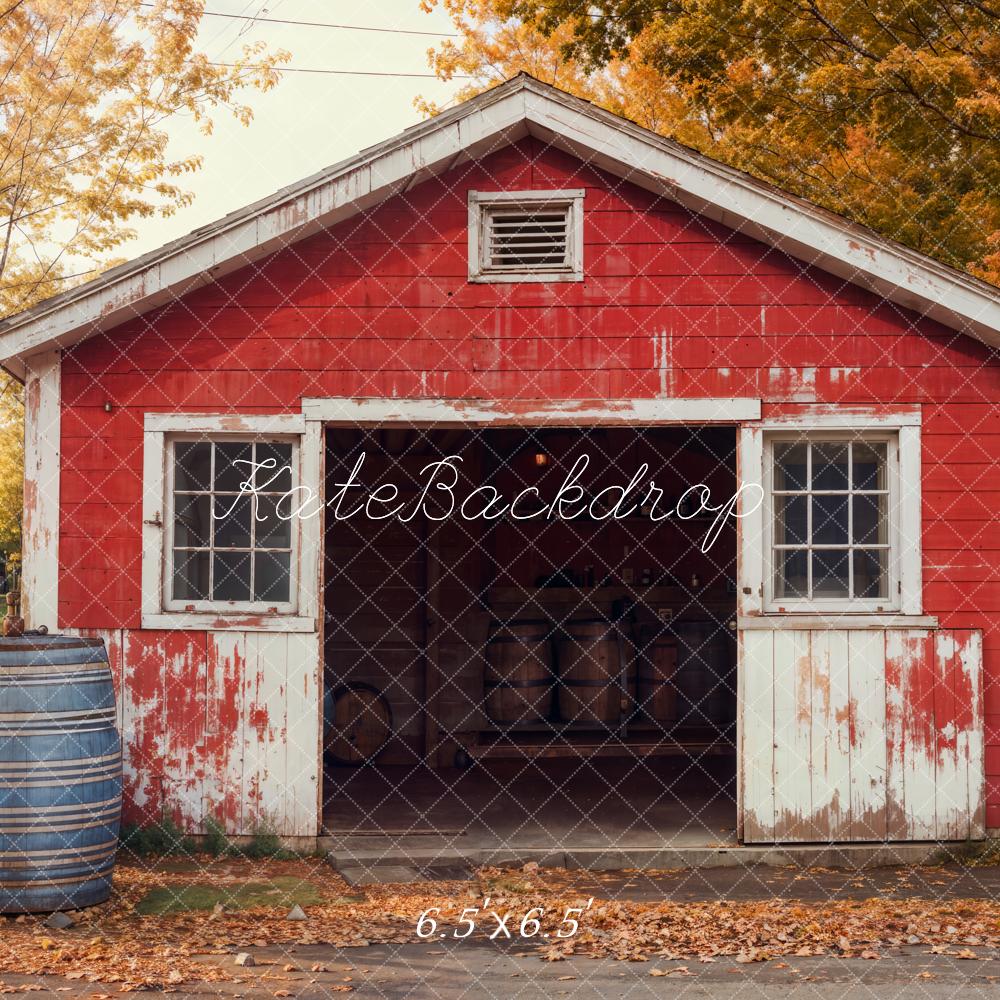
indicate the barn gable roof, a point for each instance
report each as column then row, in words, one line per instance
column 521, row 106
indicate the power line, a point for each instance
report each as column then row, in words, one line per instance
column 321, row 24
column 343, row 72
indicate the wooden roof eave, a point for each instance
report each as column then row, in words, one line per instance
column 486, row 122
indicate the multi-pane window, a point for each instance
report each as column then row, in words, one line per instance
column 831, row 512
column 230, row 542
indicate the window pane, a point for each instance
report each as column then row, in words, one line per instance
column 192, row 525
column 229, row 475
column 829, row 520
column 870, row 577
column 281, row 455
column 790, row 466
column 271, row 576
column 232, row 522
column 829, row 471
column 192, row 465
column 791, row 579
column 790, row 520
column 273, row 532
column 190, row 576
column 870, row 519
column 830, row 573
column 232, row 576
column 869, row 466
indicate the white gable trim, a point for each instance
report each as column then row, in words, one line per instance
column 489, row 121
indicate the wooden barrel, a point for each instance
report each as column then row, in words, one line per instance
column 590, row 688
column 357, row 722
column 706, row 676
column 657, row 680
column 60, row 774
column 519, row 680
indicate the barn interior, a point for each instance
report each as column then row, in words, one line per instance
column 552, row 675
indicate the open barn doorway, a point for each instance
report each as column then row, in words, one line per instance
column 529, row 640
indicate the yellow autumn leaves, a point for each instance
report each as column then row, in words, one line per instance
column 88, row 89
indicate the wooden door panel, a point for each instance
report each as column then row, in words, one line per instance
column 852, row 735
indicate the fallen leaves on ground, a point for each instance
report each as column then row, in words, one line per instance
column 115, row 944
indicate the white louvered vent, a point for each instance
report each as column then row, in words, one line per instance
column 526, row 240
column 525, row 236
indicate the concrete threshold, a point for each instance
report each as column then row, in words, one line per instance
column 398, row 852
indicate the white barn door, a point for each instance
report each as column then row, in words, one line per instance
column 861, row 735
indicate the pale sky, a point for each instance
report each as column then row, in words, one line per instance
column 309, row 120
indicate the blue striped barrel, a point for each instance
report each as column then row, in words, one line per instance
column 60, row 774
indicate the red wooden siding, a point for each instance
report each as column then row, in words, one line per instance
column 380, row 306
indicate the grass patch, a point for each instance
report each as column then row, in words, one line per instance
column 283, row 892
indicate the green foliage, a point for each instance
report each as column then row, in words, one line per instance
column 215, row 841
column 165, row 837
column 263, row 843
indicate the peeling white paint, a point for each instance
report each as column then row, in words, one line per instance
column 793, row 384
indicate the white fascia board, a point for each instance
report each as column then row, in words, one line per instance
column 488, row 122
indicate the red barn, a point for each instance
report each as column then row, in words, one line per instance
column 606, row 496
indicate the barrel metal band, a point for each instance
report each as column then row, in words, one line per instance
column 56, row 861
column 57, row 783
column 48, row 717
column 41, row 827
column 62, row 851
column 15, row 765
column 69, row 879
column 37, row 810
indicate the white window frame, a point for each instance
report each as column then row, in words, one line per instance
column 169, row 522
column 159, row 610
column 480, row 202
column 891, row 602
column 902, row 431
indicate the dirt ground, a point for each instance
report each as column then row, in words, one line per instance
column 178, row 926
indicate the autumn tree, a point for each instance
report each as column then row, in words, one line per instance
column 11, row 464
column 87, row 88
column 887, row 112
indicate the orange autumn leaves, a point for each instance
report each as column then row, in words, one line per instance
column 888, row 113
column 113, row 945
